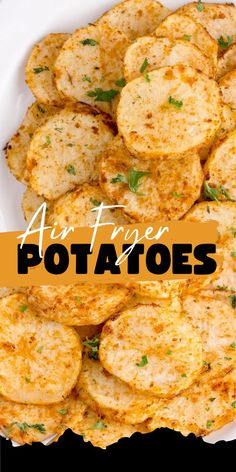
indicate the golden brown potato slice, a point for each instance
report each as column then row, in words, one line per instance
column 220, row 168
column 75, row 208
column 18, row 145
column 78, row 305
column 161, row 52
column 218, row 19
column 40, row 68
column 177, row 110
column 26, row 424
column 150, row 191
column 228, row 90
column 215, row 323
column 110, row 396
column 65, row 151
column 222, row 212
column 28, row 344
column 227, row 62
column 177, row 26
column 135, row 17
column 152, row 348
column 205, row 407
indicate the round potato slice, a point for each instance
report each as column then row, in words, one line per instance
column 65, row 151
column 135, row 17
column 160, row 52
column 28, row 344
column 26, row 424
column 177, row 26
column 152, row 348
column 215, row 323
column 160, row 289
column 39, row 69
column 222, row 212
column 76, row 208
column 102, row 431
column 228, row 89
column 227, row 62
column 206, row 406
column 220, row 168
column 149, row 191
column 110, row 396
column 177, row 110
column 18, row 145
column 218, row 19
column 78, row 305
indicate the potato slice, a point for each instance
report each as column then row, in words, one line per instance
column 161, row 52
column 40, row 68
column 220, row 168
column 222, row 212
column 78, row 305
column 228, row 90
column 177, row 26
column 218, row 19
column 30, row 204
column 205, row 407
column 227, row 62
column 28, row 344
column 75, row 208
column 110, row 396
column 176, row 111
column 18, row 145
column 159, row 192
column 152, row 348
column 65, row 151
column 215, row 323
column 160, row 289
column 135, row 17
column 26, row 424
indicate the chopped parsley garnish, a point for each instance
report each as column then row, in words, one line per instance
column 177, row 195
column 101, row 95
column 233, row 345
column 39, row 350
column 233, row 231
column 99, row 425
column 86, row 78
column 38, row 70
column 233, row 301
column 70, row 145
column 143, row 362
column 207, row 364
column 233, row 404
column 183, row 375
column 71, row 170
column 23, row 427
column 23, row 308
column 93, row 345
column 169, row 352
column 48, row 140
column 89, row 42
column 120, row 83
column 78, row 299
column 132, row 180
column 59, row 130
column 40, row 108
column 212, row 399
column 27, row 379
column 144, row 65
column 176, row 103
column 212, row 193
column 200, row 6
column 31, row 135
column 225, row 43
column 222, row 288
column 63, row 411
column 187, row 37
column 95, row 202
column 209, row 424
column 233, row 254
column 228, row 358
column 147, row 77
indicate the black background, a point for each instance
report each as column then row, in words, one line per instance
column 162, row 450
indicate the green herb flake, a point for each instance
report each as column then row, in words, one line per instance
column 233, row 302
column 233, row 345
column 212, row 399
column 101, row 95
column 59, row 130
column 86, row 78
column 228, row 358
column 207, row 364
column 224, row 44
column 209, row 424
column 70, row 145
column 71, row 169
column 27, row 379
column 132, row 180
column 144, row 65
column 233, row 404
column 23, row 427
column 143, row 362
column 95, row 202
column 212, row 193
column 184, row 375
column 23, row 308
column 63, row 411
column 41, row 109
column 78, row 299
column 48, row 140
column 120, row 83
column 177, row 195
column 39, row 350
column 147, row 77
column 89, row 42
column 176, row 103
column 222, row 288
column 187, row 37
column 30, row 135
column 200, row 6
column 233, row 231
column 233, row 254
column 99, row 425
column 169, row 352
column 38, row 70
column 93, row 345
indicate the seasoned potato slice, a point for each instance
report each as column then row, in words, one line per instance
column 26, row 424
column 65, row 151
column 40, row 69
column 75, row 208
column 215, row 323
column 177, row 26
column 30, row 204
column 110, row 396
column 160, row 289
column 152, row 348
column 135, row 17
column 102, row 431
column 205, row 407
column 159, row 192
column 227, row 62
column 177, row 110
column 222, row 212
column 28, row 344
column 160, row 52
column 218, row 19
column 78, row 305
column 228, row 89
column 220, row 168
column 18, row 145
